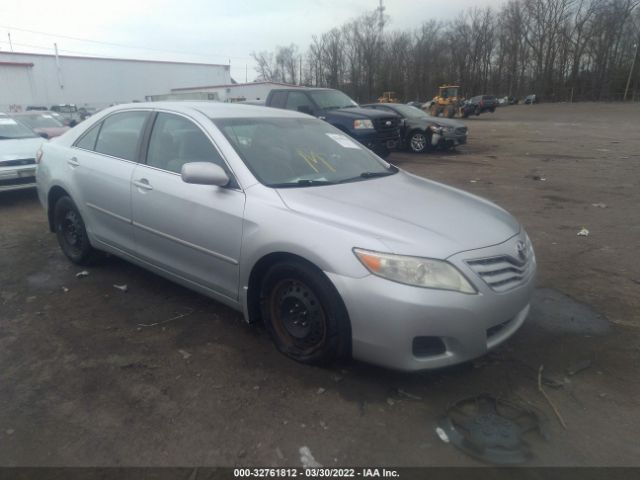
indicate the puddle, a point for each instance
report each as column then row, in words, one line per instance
column 554, row 311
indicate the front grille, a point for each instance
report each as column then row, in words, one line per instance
column 17, row 181
column 461, row 130
column 387, row 132
column 504, row 272
column 17, row 163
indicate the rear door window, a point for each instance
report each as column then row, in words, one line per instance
column 120, row 135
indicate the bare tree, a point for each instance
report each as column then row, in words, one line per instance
column 559, row 49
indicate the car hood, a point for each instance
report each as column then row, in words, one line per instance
column 444, row 122
column 409, row 214
column 359, row 112
column 19, row 148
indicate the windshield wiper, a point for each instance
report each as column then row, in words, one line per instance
column 368, row 175
column 303, row 182
column 376, row 174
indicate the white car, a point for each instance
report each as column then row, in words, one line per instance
column 18, row 146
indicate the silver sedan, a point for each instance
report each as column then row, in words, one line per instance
column 295, row 224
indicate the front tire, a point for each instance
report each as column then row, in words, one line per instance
column 71, row 232
column 419, row 142
column 304, row 314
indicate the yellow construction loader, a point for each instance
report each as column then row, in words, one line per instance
column 448, row 103
column 388, row 97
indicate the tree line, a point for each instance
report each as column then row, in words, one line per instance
column 561, row 50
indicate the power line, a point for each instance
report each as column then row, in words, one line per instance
column 121, row 45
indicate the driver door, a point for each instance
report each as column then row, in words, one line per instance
column 191, row 231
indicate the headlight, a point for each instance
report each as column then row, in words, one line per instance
column 435, row 129
column 416, row 271
column 362, row 124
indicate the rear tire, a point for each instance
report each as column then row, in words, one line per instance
column 450, row 111
column 71, row 232
column 304, row 314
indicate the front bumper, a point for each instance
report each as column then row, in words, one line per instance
column 450, row 139
column 17, row 178
column 387, row 318
column 377, row 141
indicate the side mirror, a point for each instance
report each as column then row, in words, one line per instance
column 204, row 173
column 305, row 109
column 44, row 135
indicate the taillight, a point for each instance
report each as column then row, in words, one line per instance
column 39, row 155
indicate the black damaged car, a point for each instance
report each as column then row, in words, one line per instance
column 420, row 132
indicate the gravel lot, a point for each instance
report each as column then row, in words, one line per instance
column 83, row 381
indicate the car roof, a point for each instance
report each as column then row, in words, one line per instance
column 213, row 109
column 304, row 89
column 385, row 104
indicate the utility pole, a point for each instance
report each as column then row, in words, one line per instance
column 10, row 44
column 58, row 70
column 380, row 16
column 633, row 64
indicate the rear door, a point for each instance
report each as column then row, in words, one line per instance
column 101, row 164
column 193, row 231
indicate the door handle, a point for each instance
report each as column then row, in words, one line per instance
column 73, row 162
column 143, row 183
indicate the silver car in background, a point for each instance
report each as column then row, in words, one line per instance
column 295, row 224
column 18, row 146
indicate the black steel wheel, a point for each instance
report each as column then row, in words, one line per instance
column 71, row 232
column 304, row 314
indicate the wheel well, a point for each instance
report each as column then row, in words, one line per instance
column 54, row 195
column 416, row 130
column 257, row 274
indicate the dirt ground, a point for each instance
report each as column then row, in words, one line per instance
column 85, row 381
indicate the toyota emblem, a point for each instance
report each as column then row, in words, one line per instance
column 388, row 123
column 521, row 250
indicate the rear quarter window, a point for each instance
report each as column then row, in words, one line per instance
column 88, row 140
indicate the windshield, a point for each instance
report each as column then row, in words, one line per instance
column 330, row 99
column 44, row 120
column 10, row 129
column 293, row 152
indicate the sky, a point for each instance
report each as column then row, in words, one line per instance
column 210, row 31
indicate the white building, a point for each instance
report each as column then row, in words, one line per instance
column 235, row 92
column 46, row 80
